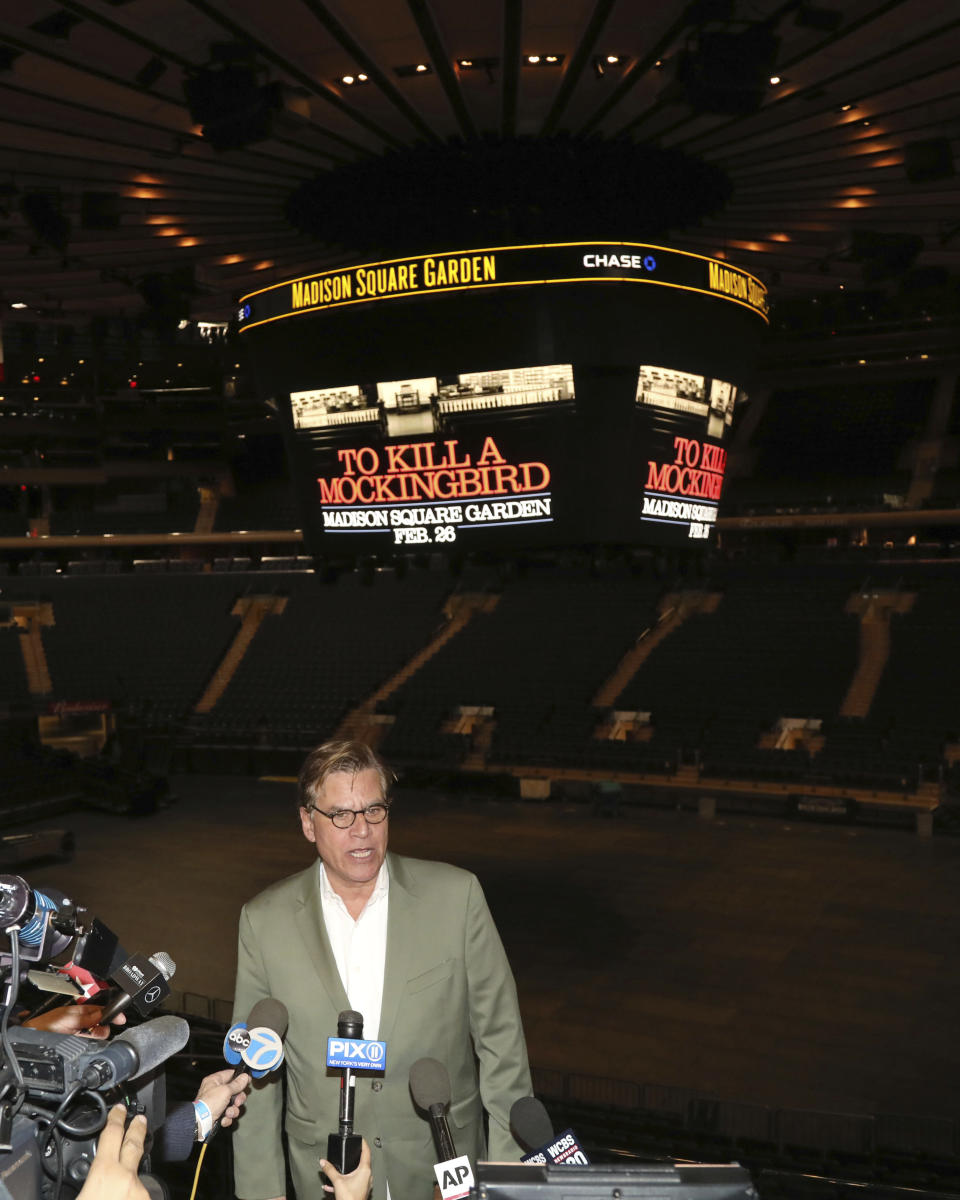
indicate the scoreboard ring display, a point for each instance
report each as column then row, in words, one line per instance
column 504, row 397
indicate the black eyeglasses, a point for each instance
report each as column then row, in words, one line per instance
column 343, row 818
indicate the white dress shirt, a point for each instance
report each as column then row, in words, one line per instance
column 359, row 947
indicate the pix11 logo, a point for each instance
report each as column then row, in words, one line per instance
column 357, row 1055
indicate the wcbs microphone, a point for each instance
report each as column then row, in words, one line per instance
column 533, row 1128
column 430, row 1088
column 348, row 1052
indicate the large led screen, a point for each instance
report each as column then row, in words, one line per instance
column 512, row 457
column 413, row 463
column 688, row 417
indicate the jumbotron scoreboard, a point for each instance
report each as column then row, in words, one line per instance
column 510, row 396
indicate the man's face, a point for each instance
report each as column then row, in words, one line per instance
column 351, row 857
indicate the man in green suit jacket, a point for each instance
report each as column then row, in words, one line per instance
column 447, row 993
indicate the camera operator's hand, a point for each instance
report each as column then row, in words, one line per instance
column 356, row 1185
column 113, row 1173
column 224, row 1094
column 83, row 1019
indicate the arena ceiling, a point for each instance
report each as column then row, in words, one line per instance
column 92, row 103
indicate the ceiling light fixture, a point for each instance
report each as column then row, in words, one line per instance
column 542, row 60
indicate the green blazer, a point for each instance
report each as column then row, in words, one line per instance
column 448, row 994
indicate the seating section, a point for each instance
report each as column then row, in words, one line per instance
column 152, row 641
column 833, row 447
column 179, row 518
column 13, row 678
column 269, row 506
column 537, row 658
column 329, row 649
column 515, row 683
column 780, row 648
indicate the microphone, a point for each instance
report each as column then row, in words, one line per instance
column 255, row 1045
column 142, row 982
column 533, row 1128
column 344, row 1146
column 530, row 1123
column 258, row 1040
column 135, row 1052
column 430, row 1088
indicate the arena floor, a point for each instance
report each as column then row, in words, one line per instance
column 755, row 960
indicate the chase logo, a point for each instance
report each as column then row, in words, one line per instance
column 360, row 1056
column 243, row 313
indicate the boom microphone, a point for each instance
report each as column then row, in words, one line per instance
column 135, row 1052
column 430, row 1088
column 142, row 982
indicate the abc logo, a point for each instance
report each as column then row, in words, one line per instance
column 238, row 1039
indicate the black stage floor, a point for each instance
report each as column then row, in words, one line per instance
column 793, row 965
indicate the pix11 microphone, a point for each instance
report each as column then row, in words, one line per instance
column 344, row 1146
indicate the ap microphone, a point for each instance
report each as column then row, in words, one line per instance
column 344, row 1146
column 430, row 1088
column 142, row 982
column 135, row 1052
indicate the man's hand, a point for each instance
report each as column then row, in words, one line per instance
column 113, row 1173
column 83, row 1019
column 356, row 1185
column 224, row 1094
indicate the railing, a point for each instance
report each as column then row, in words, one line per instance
column 858, row 1134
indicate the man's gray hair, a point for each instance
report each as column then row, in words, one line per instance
column 333, row 757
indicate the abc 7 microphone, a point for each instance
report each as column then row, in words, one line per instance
column 255, row 1046
column 348, row 1053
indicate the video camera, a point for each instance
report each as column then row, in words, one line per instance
column 56, row 1089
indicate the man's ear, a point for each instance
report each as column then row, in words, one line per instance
column 306, row 824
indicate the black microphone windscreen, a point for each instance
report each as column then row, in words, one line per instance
column 155, row 1041
column 270, row 1014
column 531, row 1123
column 350, row 1024
column 429, row 1083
